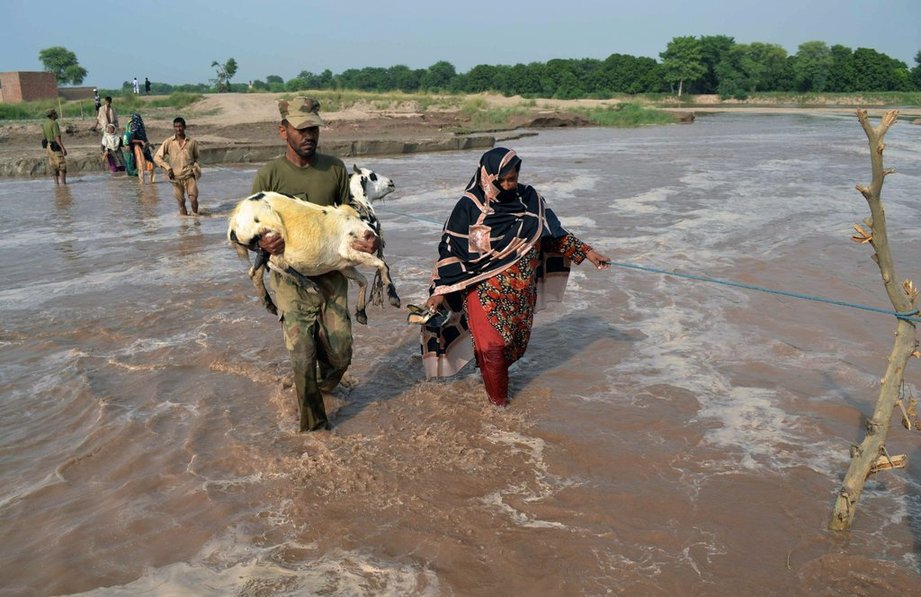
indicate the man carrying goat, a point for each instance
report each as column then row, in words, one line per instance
column 315, row 322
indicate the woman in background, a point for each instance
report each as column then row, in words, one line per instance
column 112, row 150
column 140, row 159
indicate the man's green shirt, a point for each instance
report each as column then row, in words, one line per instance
column 325, row 182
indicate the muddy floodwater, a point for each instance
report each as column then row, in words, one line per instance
column 666, row 436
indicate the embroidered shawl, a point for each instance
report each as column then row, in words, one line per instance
column 488, row 231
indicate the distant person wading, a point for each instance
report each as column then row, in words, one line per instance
column 54, row 147
column 178, row 155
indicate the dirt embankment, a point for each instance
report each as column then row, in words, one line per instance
column 235, row 128
column 239, row 128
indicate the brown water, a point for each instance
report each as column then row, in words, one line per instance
column 666, row 436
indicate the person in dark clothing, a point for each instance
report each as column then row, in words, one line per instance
column 502, row 249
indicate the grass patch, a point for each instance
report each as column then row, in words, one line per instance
column 337, row 100
column 178, row 100
column 23, row 111
column 627, row 115
column 129, row 102
column 85, row 110
column 495, row 117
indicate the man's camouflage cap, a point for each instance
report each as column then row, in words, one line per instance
column 301, row 112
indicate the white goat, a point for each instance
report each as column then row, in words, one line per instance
column 318, row 239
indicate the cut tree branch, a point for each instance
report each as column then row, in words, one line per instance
column 871, row 455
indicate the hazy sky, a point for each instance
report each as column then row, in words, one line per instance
column 176, row 41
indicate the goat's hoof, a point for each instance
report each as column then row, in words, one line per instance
column 361, row 317
column 392, row 297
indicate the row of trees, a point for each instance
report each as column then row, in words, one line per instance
column 716, row 64
column 706, row 64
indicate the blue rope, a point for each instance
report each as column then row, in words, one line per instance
column 905, row 316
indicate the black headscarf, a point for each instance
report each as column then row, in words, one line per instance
column 490, row 229
column 136, row 128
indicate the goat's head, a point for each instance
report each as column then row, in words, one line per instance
column 368, row 186
column 250, row 220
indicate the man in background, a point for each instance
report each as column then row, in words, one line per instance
column 106, row 115
column 54, row 147
column 182, row 168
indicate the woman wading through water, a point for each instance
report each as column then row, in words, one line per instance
column 502, row 254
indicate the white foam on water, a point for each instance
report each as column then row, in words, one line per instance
column 334, row 573
column 645, row 203
column 577, row 224
column 543, row 485
column 561, row 188
column 754, row 427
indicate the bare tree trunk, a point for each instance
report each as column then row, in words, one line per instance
column 871, row 454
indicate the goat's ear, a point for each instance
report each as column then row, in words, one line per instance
column 356, row 168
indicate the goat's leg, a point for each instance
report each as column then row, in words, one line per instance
column 383, row 276
column 377, row 285
column 353, row 274
column 377, row 290
column 256, row 275
column 384, row 271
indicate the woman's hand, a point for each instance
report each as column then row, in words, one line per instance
column 598, row 260
column 435, row 301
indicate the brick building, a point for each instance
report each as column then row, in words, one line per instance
column 24, row 86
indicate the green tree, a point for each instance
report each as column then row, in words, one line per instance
column 225, row 73
column 812, row 67
column 524, row 79
column 769, row 66
column 439, row 76
column 682, row 61
column 404, row 78
column 63, row 63
column 713, row 49
column 875, row 71
column 274, row 79
column 916, row 72
column 480, row 78
column 841, row 73
column 738, row 73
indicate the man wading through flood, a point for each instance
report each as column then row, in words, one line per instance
column 316, row 326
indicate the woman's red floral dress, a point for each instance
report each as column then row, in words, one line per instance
column 510, row 296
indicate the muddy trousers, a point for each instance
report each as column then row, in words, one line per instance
column 186, row 186
column 318, row 336
column 489, row 350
